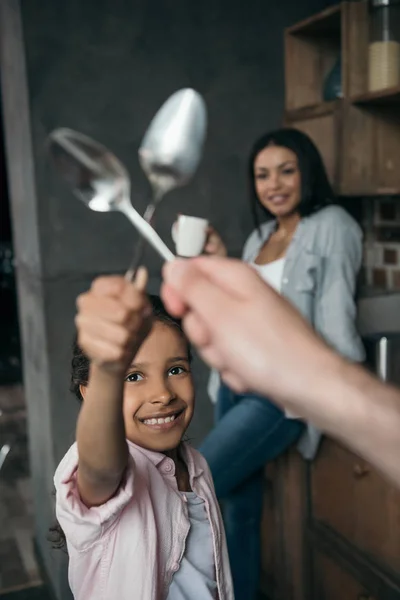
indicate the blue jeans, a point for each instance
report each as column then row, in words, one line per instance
column 249, row 431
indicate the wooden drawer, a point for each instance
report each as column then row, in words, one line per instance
column 331, row 582
column 354, row 500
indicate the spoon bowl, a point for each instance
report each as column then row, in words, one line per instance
column 99, row 180
column 171, row 150
column 173, row 144
column 169, row 155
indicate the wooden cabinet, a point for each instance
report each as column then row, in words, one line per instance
column 331, row 528
column 311, row 50
column 359, row 134
column 360, row 506
column 336, row 529
column 371, row 148
column 323, row 125
column 284, row 570
column 332, row 583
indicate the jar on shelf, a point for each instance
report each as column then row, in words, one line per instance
column 384, row 44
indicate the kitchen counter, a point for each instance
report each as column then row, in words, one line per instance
column 379, row 312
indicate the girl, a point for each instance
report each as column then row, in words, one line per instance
column 311, row 252
column 136, row 504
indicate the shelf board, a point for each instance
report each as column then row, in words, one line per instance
column 311, row 112
column 327, row 21
column 358, row 191
column 386, row 96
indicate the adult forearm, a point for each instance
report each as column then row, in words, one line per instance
column 369, row 420
column 224, row 306
column 103, row 451
column 350, row 404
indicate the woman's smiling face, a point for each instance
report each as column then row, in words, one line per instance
column 277, row 180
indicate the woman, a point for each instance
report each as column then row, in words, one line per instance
column 310, row 251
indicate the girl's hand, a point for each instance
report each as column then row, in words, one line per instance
column 113, row 319
column 214, row 244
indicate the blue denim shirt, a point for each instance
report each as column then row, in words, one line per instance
column 320, row 274
column 319, row 279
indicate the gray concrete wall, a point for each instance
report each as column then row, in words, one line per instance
column 104, row 68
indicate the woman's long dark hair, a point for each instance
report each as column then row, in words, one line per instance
column 80, row 366
column 316, row 191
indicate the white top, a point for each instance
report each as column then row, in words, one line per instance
column 271, row 272
column 324, row 257
column 196, row 577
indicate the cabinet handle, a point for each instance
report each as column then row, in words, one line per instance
column 360, row 470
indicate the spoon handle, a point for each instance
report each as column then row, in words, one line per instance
column 136, row 261
column 139, row 248
column 147, row 231
column 4, row 450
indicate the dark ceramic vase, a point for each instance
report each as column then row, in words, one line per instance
column 333, row 82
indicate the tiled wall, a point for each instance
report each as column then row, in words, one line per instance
column 381, row 223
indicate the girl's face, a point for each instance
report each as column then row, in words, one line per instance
column 277, row 180
column 159, row 394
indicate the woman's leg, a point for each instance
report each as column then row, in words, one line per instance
column 250, row 432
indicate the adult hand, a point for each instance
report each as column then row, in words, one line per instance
column 259, row 342
column 243, row 328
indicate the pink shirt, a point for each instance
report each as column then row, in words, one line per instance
column 130, row 547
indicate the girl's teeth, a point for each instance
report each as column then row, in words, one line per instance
column 159, row 421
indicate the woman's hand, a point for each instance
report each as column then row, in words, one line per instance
column 113, row 319
column 214, row 244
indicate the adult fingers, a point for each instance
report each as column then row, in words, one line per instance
column 233, row 381
column 172, row 301
column 196, row 330
column 194, row 289
column 230, row 275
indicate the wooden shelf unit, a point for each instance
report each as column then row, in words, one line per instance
column 311, row 49
column 382, row 97
column 323, row 124
column 331, row 527
column 359, row 134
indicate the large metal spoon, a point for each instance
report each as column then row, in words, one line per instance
column 171, row 150
column 100, row 180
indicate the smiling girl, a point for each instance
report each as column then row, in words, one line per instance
column 136, row 504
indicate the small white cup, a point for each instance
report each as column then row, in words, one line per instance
column 189, row 235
